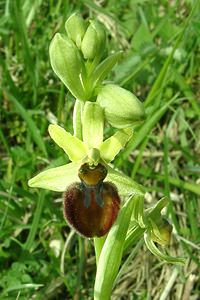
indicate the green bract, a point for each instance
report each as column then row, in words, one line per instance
column 68, row 65
column 93, row 43
column 122, row 109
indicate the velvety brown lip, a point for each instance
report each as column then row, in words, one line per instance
column 91, row 209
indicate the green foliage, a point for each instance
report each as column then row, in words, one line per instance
column 39, row 258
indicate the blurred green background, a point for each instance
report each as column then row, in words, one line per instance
column 39, row 257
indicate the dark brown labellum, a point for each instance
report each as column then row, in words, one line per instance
column 91, row 209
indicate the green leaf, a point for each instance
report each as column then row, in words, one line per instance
column 56, row 179
column 73, row 147
column 104, row 67
column 126, row 186
column 152, row 247
column 111, row 254
column 93, row 124
column 111, row 147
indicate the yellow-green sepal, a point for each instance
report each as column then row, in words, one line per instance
column 56, row 179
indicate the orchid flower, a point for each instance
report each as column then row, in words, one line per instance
column 92, row 149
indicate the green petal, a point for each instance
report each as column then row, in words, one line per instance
column 56, row 179
column 126, row 186
column 111, row 147
column 75, row 148
column 93, row 123
column 152, row 247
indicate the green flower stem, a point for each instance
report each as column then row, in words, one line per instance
column 36, row 219
column 98, row 245
column 77, row 119
column 111, row 254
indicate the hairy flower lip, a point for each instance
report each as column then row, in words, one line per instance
column 89, row 211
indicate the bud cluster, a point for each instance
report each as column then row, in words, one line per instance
column 79, row 59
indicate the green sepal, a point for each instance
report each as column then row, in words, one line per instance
column 152, row 247
column 93, row 43
column 75, row 27
column 126, row 186
column 68, row 65
column 122, row 108
column 111, row 147
column 73, row 147
column 93, row 124
column 105, row 67
column 56, row 179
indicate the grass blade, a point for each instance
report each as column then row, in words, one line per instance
column 146, row 128
column 30, row 123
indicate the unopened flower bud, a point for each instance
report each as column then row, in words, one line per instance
column 122, row 108
column 75, row 27
column 67, row 64
column 162, row 234
column 93, row 43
